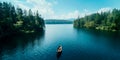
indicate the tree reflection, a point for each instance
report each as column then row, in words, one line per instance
column 9, row 44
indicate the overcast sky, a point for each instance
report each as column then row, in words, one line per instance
column 65, row 9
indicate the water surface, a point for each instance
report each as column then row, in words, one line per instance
column 77, row 44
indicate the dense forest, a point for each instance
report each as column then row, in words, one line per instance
column 109, row 21
column 15, row 20
column 58, row 21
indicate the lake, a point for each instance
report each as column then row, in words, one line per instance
column 78, row 44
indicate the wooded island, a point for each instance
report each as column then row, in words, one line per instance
column 109, row 21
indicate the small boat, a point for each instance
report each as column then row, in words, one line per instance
column 59, row 50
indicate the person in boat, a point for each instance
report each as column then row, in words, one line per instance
column 59, row 49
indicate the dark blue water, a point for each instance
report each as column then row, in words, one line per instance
column 78, row 44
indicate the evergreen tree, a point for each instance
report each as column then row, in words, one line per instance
column 14, row 20
column 109, row 20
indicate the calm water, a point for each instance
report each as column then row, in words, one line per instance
column 77, row 44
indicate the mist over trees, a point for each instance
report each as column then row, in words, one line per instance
column 13, row 20
column 103, row 21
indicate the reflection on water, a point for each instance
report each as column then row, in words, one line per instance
column 18, row 43
column 58, row 54
column 78, row 44
column 109, row 37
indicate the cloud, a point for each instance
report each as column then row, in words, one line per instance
column 104, row 9
column 23, row 6
column 69, row 15
column 45, row 8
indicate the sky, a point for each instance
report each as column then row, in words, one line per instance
column 66, row 9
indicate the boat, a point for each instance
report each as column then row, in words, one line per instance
column 59, row 50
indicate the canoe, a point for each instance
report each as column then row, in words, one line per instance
column 59, row 50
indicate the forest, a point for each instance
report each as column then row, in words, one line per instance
column 16, row 20
column 58, row 21
column 109, row 21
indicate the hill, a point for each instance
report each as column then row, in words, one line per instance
column 58, row 21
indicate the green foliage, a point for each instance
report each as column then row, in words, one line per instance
column 13, row 20
column 90, row 24
column 103, row 21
